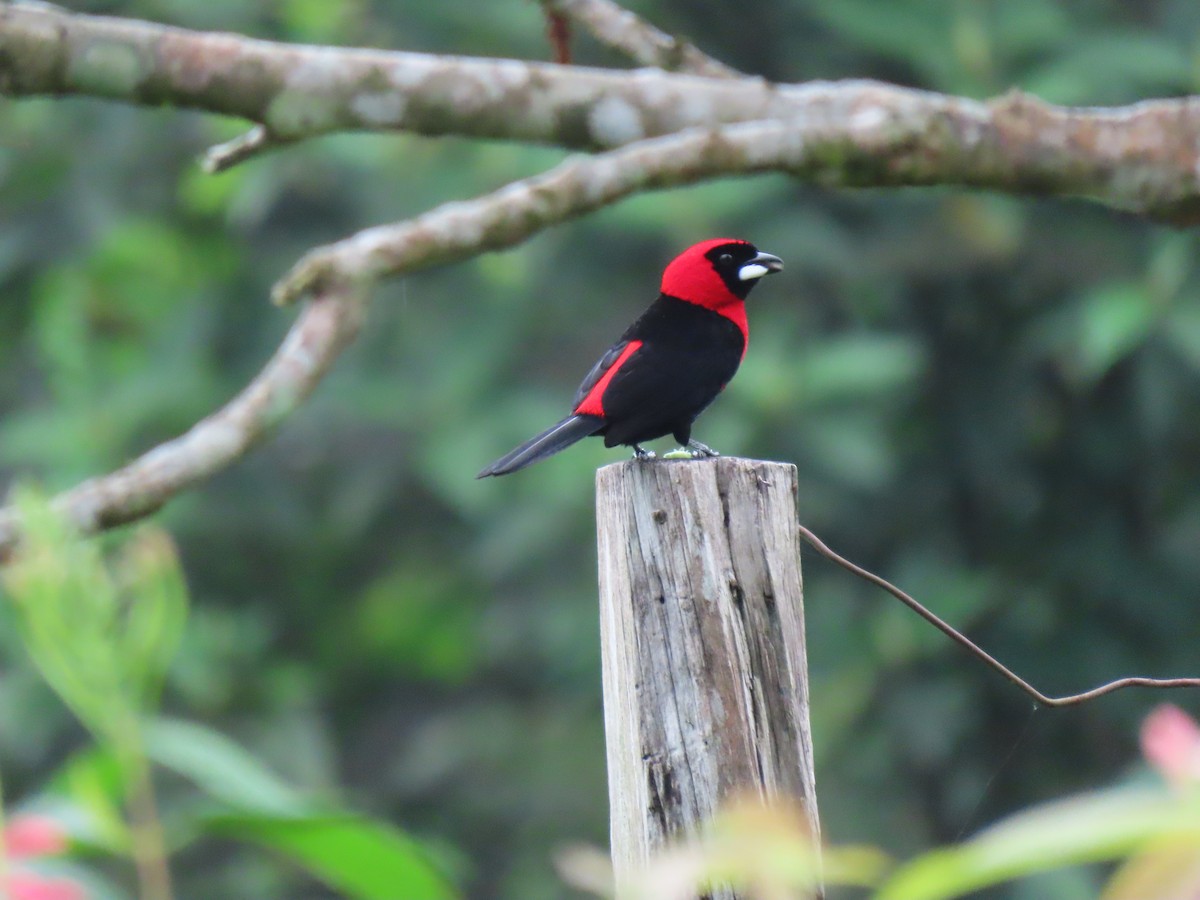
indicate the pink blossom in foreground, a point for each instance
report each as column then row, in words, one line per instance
column 31, row 835
column 28, row 837
column 1171, row 743
column 24, row 885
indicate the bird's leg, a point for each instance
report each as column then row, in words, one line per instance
column 639, row 452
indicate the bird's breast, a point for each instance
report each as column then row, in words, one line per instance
column 717, row 338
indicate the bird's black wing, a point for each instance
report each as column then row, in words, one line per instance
column 602, row 365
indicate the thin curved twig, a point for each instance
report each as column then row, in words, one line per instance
column 558, row 32
column 326, row 325
column 227, row 155
column 632, row 35
column 962, row 640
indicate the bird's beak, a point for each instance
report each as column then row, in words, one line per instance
column 760, row 266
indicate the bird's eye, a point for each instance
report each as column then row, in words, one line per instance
column 725, row 259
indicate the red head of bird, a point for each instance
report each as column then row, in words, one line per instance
column 717, row 273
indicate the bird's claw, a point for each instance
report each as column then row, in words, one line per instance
column 639, row 453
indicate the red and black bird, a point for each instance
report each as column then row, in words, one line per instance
column 669, row 364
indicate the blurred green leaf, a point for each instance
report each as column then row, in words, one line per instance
column 93, row 783
column 102, row 640
column 221, row 768
column 854, row 447
column 1089, row 828
column 360, row 858
column 420, row 621
column 1024, row 27
column 914, row 31
column 1181, row 326
column 71, row 617
column 150, row 575
column 1114, row 320
column 859, row 365
column 1114, row 67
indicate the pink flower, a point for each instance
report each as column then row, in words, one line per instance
column 1171, row 743
column 23, row 885
column 30, row 836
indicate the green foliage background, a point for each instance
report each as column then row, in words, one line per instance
column 991, row 401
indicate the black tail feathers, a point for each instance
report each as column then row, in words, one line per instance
column 555, row 438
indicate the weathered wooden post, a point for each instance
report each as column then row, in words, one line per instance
column 702, row 637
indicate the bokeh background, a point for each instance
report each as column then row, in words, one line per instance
column 992, row 401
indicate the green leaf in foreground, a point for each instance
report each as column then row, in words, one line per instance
column 1091, row 828
column 363, row 859
column 221, row 768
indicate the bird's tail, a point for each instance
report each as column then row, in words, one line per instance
column 555, row 438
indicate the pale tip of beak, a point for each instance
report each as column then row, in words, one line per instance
column 760, row 266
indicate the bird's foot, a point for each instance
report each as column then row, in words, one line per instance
column 700, row 451
column 640, row 453
column 680, row 453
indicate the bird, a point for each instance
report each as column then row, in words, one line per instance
column 669, row 365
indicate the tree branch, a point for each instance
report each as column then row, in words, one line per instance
column 639, row 40
column 229, row 154
column 323, row 328
column 519, row 210
column 298, row 91
column 1143, row 158
column 846, row 147
column 975, row 650
column 558, row 32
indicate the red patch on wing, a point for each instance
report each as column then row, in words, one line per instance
column 593, row 403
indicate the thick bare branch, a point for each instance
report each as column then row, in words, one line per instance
column 627, row 32
column 324, row 327
column 848, row 146
column 1143, row 158
column 297, row 91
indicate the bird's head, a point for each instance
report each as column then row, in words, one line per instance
column 718, row 272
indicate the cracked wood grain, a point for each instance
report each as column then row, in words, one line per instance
column 702, row 642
